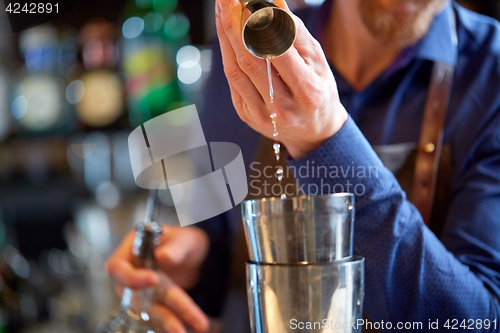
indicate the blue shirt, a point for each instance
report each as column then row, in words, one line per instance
column 410, row 274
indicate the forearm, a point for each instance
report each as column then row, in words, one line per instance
column 410, row 275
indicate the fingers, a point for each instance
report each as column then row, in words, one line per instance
column 179, row 302
column 305, row 44
column 246, row 72
column 182, row 246
column 121, row 269
column 305, row 58
column 164, row 320
column 297, row 66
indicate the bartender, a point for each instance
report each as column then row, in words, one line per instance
column 408, row 87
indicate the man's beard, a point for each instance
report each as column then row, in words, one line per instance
column 396, row 29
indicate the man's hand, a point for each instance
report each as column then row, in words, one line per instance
column 179, row 258
column 306, row 100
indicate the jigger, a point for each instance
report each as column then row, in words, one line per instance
column 269, row 31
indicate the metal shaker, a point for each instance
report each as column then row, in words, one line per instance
column 299, row 229
column 306, row 298
column 269, row 31
column 302, row 275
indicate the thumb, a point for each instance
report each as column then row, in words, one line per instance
column 177, row 249
column 183, row 244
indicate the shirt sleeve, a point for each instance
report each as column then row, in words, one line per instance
column 410, row 275
column 210, row 291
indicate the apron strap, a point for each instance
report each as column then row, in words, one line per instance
column 431, row 139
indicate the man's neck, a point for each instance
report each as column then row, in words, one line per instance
column 351, row 49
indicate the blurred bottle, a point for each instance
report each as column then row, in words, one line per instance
column 4, row 116
column 132, row 314
column 152, row 33
column 38, row 103
column 6, row 53
column 98, row 93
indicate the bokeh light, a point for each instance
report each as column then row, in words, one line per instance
column 153, row 22
column 75, row 91
column 133, row 27
column 189, row 72
column 176, row 27
column 19, row 107
column 188, row 53
column 108, row 195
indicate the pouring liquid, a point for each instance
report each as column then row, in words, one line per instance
column 276, row 146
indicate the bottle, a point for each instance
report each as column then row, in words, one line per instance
column 98, row 93
column 38, row 92
column 132, row 314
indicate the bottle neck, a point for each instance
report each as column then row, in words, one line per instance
column 145, row 242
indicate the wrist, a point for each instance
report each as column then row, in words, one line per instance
column 325, row 129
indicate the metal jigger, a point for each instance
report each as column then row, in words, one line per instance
column 269, row 31
column 302, row 270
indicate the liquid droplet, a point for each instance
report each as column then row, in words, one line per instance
column 275, row 134
column 276, row 148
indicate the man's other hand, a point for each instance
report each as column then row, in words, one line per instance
column 179, row 258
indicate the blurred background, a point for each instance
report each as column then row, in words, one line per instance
column 70, row 93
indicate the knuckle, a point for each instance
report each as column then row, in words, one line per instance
column 226, row 23
column 242, row 111
column 310, row 96
column 286, row 120
column 260, row 118
column 233, row 73
column 244, row 118
column 316, row 47
column 248, row 64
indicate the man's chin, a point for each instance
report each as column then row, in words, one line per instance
column 395, row 28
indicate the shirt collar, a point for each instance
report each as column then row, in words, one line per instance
column 440, row 43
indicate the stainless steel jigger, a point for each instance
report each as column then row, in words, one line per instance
column 269, row 31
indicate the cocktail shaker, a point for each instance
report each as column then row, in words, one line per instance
column 305, row 298
column 302, row 275
column 299, row 229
